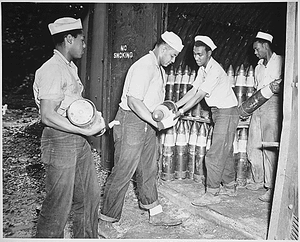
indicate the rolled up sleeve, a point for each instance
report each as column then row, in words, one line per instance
column 50, row 84
column 140, row 77
column 211, row 81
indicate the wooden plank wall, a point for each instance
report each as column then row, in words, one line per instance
column 110, row 27
column 285, row 200
column 92, row 68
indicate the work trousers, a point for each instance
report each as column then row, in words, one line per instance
column 219, row 160
column 135, row 152
column 265, row 126
column 71, row 184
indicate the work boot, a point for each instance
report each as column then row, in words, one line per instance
column 206, row 199
column 267, row 197
column 254, row 186
column 228, row 191
column 163, row 219
column 106, row 230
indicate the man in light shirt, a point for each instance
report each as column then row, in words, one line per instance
column 212, row 84
column 135, row 137
column 265, row 125
column 71, row 181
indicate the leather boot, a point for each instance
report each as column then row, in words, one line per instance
column 254, row 186
column 163, row 219
column 106, row 230
column 206, row 199
column 228, row 191
column 267, row 197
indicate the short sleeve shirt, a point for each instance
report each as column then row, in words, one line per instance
column 145, row 81
column 214, row 81
column 265, row 74
column 57, row 79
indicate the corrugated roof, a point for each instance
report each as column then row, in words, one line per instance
column 232, row 26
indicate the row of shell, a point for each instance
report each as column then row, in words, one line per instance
column 179, row 82
column 240, row 77
column 183, row 148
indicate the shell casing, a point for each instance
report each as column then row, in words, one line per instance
column 241, row 93
column 182, row 90
column 251, row 104
column 181, row 160
column 162, row 111
column 181, row 151
column 168, row 163
column 161, row 140
column 176, row 93
column 192, row 141
column 242, row 169
column 249, row 92
column 189, row 87
column 187, row 127
column 242, row 164
column 191, row 161
column 200, row 152
column 169, row 92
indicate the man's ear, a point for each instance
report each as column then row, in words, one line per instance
column 209, row 53
column 163, row 48
column 69, row 38
column 266, row 46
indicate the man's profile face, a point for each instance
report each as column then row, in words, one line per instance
column 259, row 50
column 168, row 56
column 78, row 46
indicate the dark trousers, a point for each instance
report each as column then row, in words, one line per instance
column 135, row 152
column 219, row 160
column 71, row 183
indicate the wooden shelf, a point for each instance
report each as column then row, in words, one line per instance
column 198, row 119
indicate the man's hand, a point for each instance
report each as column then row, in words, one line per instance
column 275, row 86
column 170, row 121
column 97, row 127
column 179, row 113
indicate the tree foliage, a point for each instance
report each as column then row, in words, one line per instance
column 26, row 40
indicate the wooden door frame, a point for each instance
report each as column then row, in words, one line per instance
column 284, row 205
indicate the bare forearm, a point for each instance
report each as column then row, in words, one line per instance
column 193, row 101
column 139, row 108
column 51, row 118
column 188, row 96
column 56, row 121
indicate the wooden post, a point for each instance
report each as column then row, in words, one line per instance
column 284, row 214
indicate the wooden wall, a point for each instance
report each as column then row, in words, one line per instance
column 117, row 35
column 285, row 212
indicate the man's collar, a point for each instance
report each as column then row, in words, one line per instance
column 154, row 58
column 209, row 64
column 55, row 51
column 261, row 61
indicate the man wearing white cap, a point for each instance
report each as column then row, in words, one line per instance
column 212, row 84
column 71, row 180
column 135, row 138
column 265, row 122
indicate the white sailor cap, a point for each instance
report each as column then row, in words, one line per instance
column 173, row 40
column 64, row 24
column 206, row 40
column 266, row 36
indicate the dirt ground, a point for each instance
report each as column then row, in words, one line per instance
column 23, row 187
